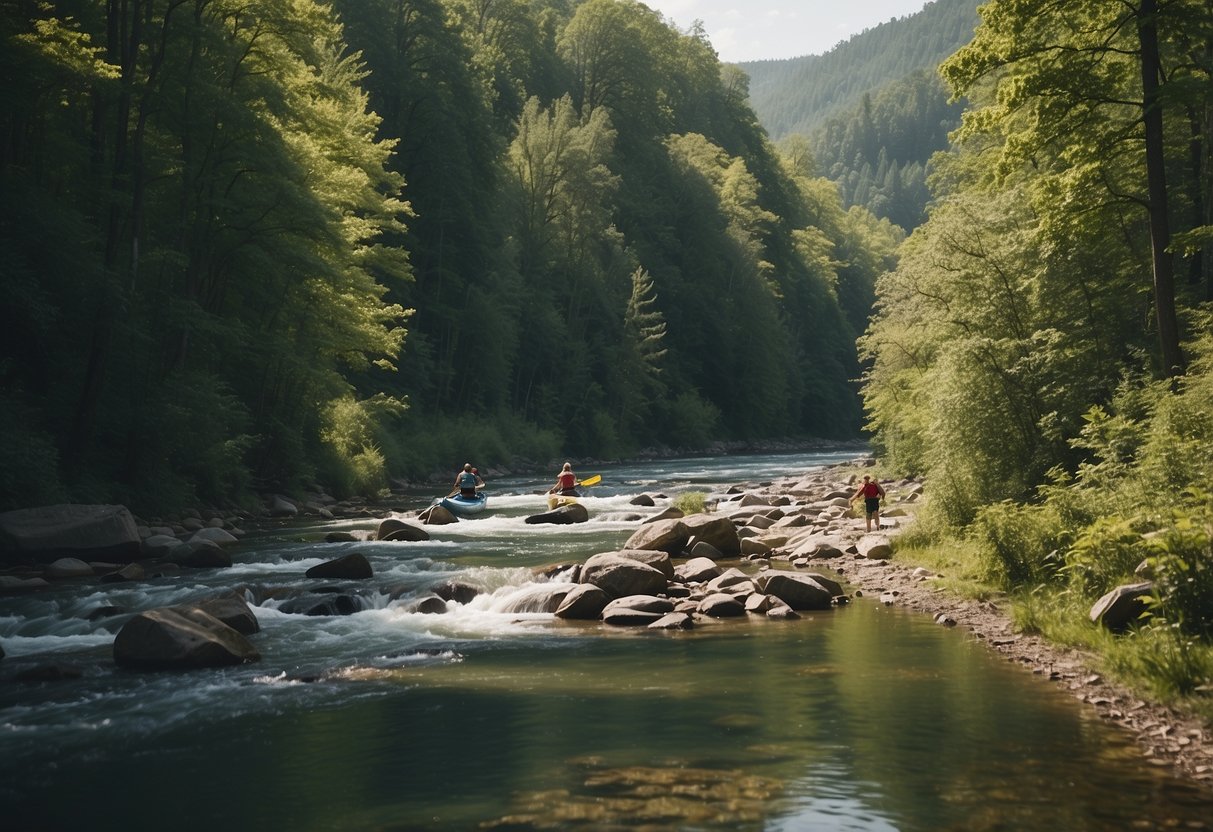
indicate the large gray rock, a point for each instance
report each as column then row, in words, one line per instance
column 436, row 515
column 563, row 516
column 47, row 533
column 353, row 566
column 232, row 611
column 719, row 531
column 585, row 602
column 620, row 576
column 698, row 570
column 665, row 535
column 402, row 532
column 160, row 545
column 800, row 592
column 636, row 610
column 200, row 554
column 874, row 547
column 68, row 568
column 1119, row 608
column 172, row 638
column 721, row 605
column 213, row 534
column 655, row 558
column 538, row 598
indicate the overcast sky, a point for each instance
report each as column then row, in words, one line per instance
column 751, row 30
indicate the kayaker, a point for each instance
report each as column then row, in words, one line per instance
column 872, row 494
column 566, row 482
column 468, row 480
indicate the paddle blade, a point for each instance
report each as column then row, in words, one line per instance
column 594, row 480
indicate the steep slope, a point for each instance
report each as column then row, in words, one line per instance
column 798, row 95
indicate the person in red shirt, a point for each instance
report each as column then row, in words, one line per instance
column 872, row 494
column 566, row 481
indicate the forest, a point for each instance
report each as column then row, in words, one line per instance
column 261, row 245
column 1043, row 351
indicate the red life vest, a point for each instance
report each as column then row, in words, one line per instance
column 567, row 481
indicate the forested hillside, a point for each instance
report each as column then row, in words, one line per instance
column 799, row 95
column 220, row 218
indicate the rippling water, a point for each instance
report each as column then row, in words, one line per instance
column 864, row 717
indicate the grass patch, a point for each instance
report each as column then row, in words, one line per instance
column 960, row 571
column 691, row 502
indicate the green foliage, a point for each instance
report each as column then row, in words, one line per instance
column 1181, row 566
column 1163, row 659
column 1104, row 555
column 690, row 502
column 1022, row 542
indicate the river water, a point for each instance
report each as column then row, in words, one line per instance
column 864, row 717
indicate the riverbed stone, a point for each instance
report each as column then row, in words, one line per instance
column 456, row 591
column 169, row 638
column 636, row 610
column 719, row 531
column 563, row 516
column 1117, row 609
column 129, row 573
column 200, row 554
column 620, row 576
column 160, row 545
column 874, row 547
column 233, row 611
column 697, row 570
column 541, row 598
column 213, row 534
column 68, row 568
column 674, row 621
column 585, row 602
column 353, row 566
column 46, row 533
column 406, row 533
column 655, row 558
column 798, row 591
column 721, row 605
column 667, row 535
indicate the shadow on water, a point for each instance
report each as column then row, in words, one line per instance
column 865, row 718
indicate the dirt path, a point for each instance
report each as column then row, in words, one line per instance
column 1166, row 736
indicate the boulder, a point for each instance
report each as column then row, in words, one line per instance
column 721, row 605
column 324, row 605
column 666, row 535
column 719, row 531
column 620, row 576
column 460, row 593
column 201, row 554
column 832, row 586
column 340, row 537
column 673, row 621
column 282, row 507
column 726, row 579
column 874, row 547
column 169, row 638
column 354, row 567
column 68, row 568
column 585, row 602
column 213, row 534
column 160, row 545
column 538, row 598
column 655, row 558
column 642, row 500
column 697, row 570
column 405, row 532
column 130, row 572
column 11, row 584
column 436, row 515
column 703, row 549
column 233, row 611
column 563, row 516
column 428, row 605
column 800, row 592
column 670, row 513
column 1119, row 608
column 636, row 610
column 387, row 526
column 46, row 533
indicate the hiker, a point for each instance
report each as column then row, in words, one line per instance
column 468, row 480
column 872, row 494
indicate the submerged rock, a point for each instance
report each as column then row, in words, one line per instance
column 174, row 638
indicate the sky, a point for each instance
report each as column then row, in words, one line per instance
column 753, row 30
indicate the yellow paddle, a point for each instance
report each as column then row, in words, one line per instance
column 594, row 480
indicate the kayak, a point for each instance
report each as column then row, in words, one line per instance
column 465, row 506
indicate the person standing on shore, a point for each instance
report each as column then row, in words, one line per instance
column 872, row 494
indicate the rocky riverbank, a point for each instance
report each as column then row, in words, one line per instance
column 1166, row 736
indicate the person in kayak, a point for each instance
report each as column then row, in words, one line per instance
column 566, row 482
column 872, row 494
column 468, row 480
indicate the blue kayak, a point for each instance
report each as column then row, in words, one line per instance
column 462, row 506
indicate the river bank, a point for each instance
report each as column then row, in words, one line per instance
column 1166, row 736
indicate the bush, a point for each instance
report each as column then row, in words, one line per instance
column 690, row 502
column 1021, row 542
column 1182, row 568
column 1105, row 555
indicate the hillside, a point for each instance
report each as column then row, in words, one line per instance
column 798, row 95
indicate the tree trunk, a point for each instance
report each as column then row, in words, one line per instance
column 1160, row 229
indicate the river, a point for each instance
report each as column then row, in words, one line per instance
column 864, row 717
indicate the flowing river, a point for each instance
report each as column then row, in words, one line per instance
column 863, row 717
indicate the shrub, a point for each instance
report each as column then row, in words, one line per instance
column 1182, row 568
column 1021, row 542
column 690, row 502
column 1105, row 554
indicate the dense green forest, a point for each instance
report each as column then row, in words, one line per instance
column 259, row 245
column 1043, row 352
column 799, row 95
